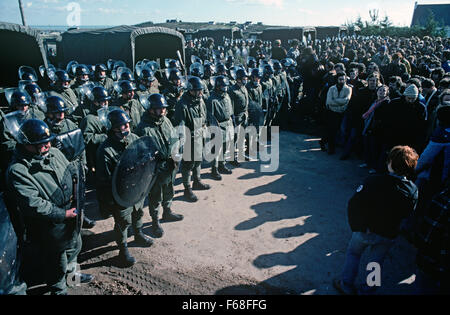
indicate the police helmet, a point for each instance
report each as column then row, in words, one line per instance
column 126, row 87
column 34, row 131
column 118, row 118
column 157, row 101
column 100, row 94
column 195, row 84
column 56, row 104
column 20, row 98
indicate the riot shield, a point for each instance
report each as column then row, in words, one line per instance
column 13, row 121
column 9, row 260
column 135, row 173
column 71, row 144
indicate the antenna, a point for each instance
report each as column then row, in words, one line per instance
column 22, row 13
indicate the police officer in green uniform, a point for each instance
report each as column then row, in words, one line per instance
column 239, row 99
column 156, row 125
column 269, row 88
column 59, row 124
column 219, row 112
column 40, row 180
column 255, row 104
column 148, row 84
column 62, row 89
column 173, row 92
column 101, row 78
column 108, row 156
column 34, row 91
column 191, row 114
column 20, row 101
column 82, row 74
column 94, row 131
column 128, row 103
column 198, row 70
column 56, row 120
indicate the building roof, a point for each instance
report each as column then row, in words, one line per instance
column 441, row 14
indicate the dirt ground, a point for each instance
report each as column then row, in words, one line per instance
column 253, row 233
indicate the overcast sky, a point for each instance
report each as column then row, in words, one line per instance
column 271, row 12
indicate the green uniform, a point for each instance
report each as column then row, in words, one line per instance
column 42, row 188
column 172, row 94
column 108, row 84
column 63, row 127
column 7, row 141
column 219, row 112
column 191, row 113
column 108, row 156
column 240, row 100
column 94, row 133
column 163, row 133
column 68, row 95
column 206, row 93
column 133, row 108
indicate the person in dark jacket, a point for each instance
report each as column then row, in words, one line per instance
column 375, row 214
column 278, row 52
column 432, row 238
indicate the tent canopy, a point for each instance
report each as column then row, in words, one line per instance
column 23, row 46
column 285, row 34
column 331, row 31
column 127, row 43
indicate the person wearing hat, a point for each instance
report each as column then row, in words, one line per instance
column 220, row 112
column 40, row 180
column 156, row 125
column 173, row 92
column 55, row 116
column 239, row 99
column 94, row 131
column 278, row 52
column 62, row 89
column 128, row 103
column 191, row 113
column 404, row 121
column 108, row 156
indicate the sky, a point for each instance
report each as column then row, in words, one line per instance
column 270, row 12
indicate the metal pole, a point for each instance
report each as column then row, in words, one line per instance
column 22, row 13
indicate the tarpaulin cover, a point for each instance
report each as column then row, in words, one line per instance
column 22, row 46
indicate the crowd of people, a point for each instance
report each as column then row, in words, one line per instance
column 385, row 100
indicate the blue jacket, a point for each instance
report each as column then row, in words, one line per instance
column 439, row 143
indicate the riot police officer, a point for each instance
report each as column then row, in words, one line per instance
column 191, row 113
column 35, row 93
column 40, row 181
column 239, row 100
column 94, row 131
column 101, row 78
column 147, row 82
column 173, row 92
column 156, row 125
column 128, row 103
column 108, row 156
column 255, row 104
column 56, row 119
column 219, row 113
column 63, row 90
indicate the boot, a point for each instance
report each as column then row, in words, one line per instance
column 125, row 258
column 156, row 228
column 88, row 223
column 198, row 185
column 169, row 216
column 235, row 163
column 142, row 239
column 189, row 195
column 224, row 170
column 215, row 174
